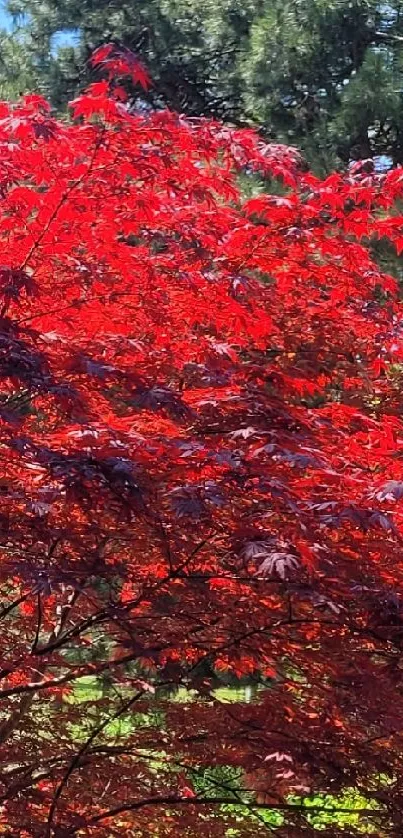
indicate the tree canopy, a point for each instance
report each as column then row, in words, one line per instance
column 202, row 480
column 324, row 75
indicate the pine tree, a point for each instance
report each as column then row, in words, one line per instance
column 326, row 76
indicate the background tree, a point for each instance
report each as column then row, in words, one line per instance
column 325, row 75
column 18, row 72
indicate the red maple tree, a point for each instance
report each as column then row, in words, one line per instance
column 201, row 480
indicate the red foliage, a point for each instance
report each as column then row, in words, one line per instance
column 202, row 473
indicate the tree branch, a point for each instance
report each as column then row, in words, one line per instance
column 173, row 800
